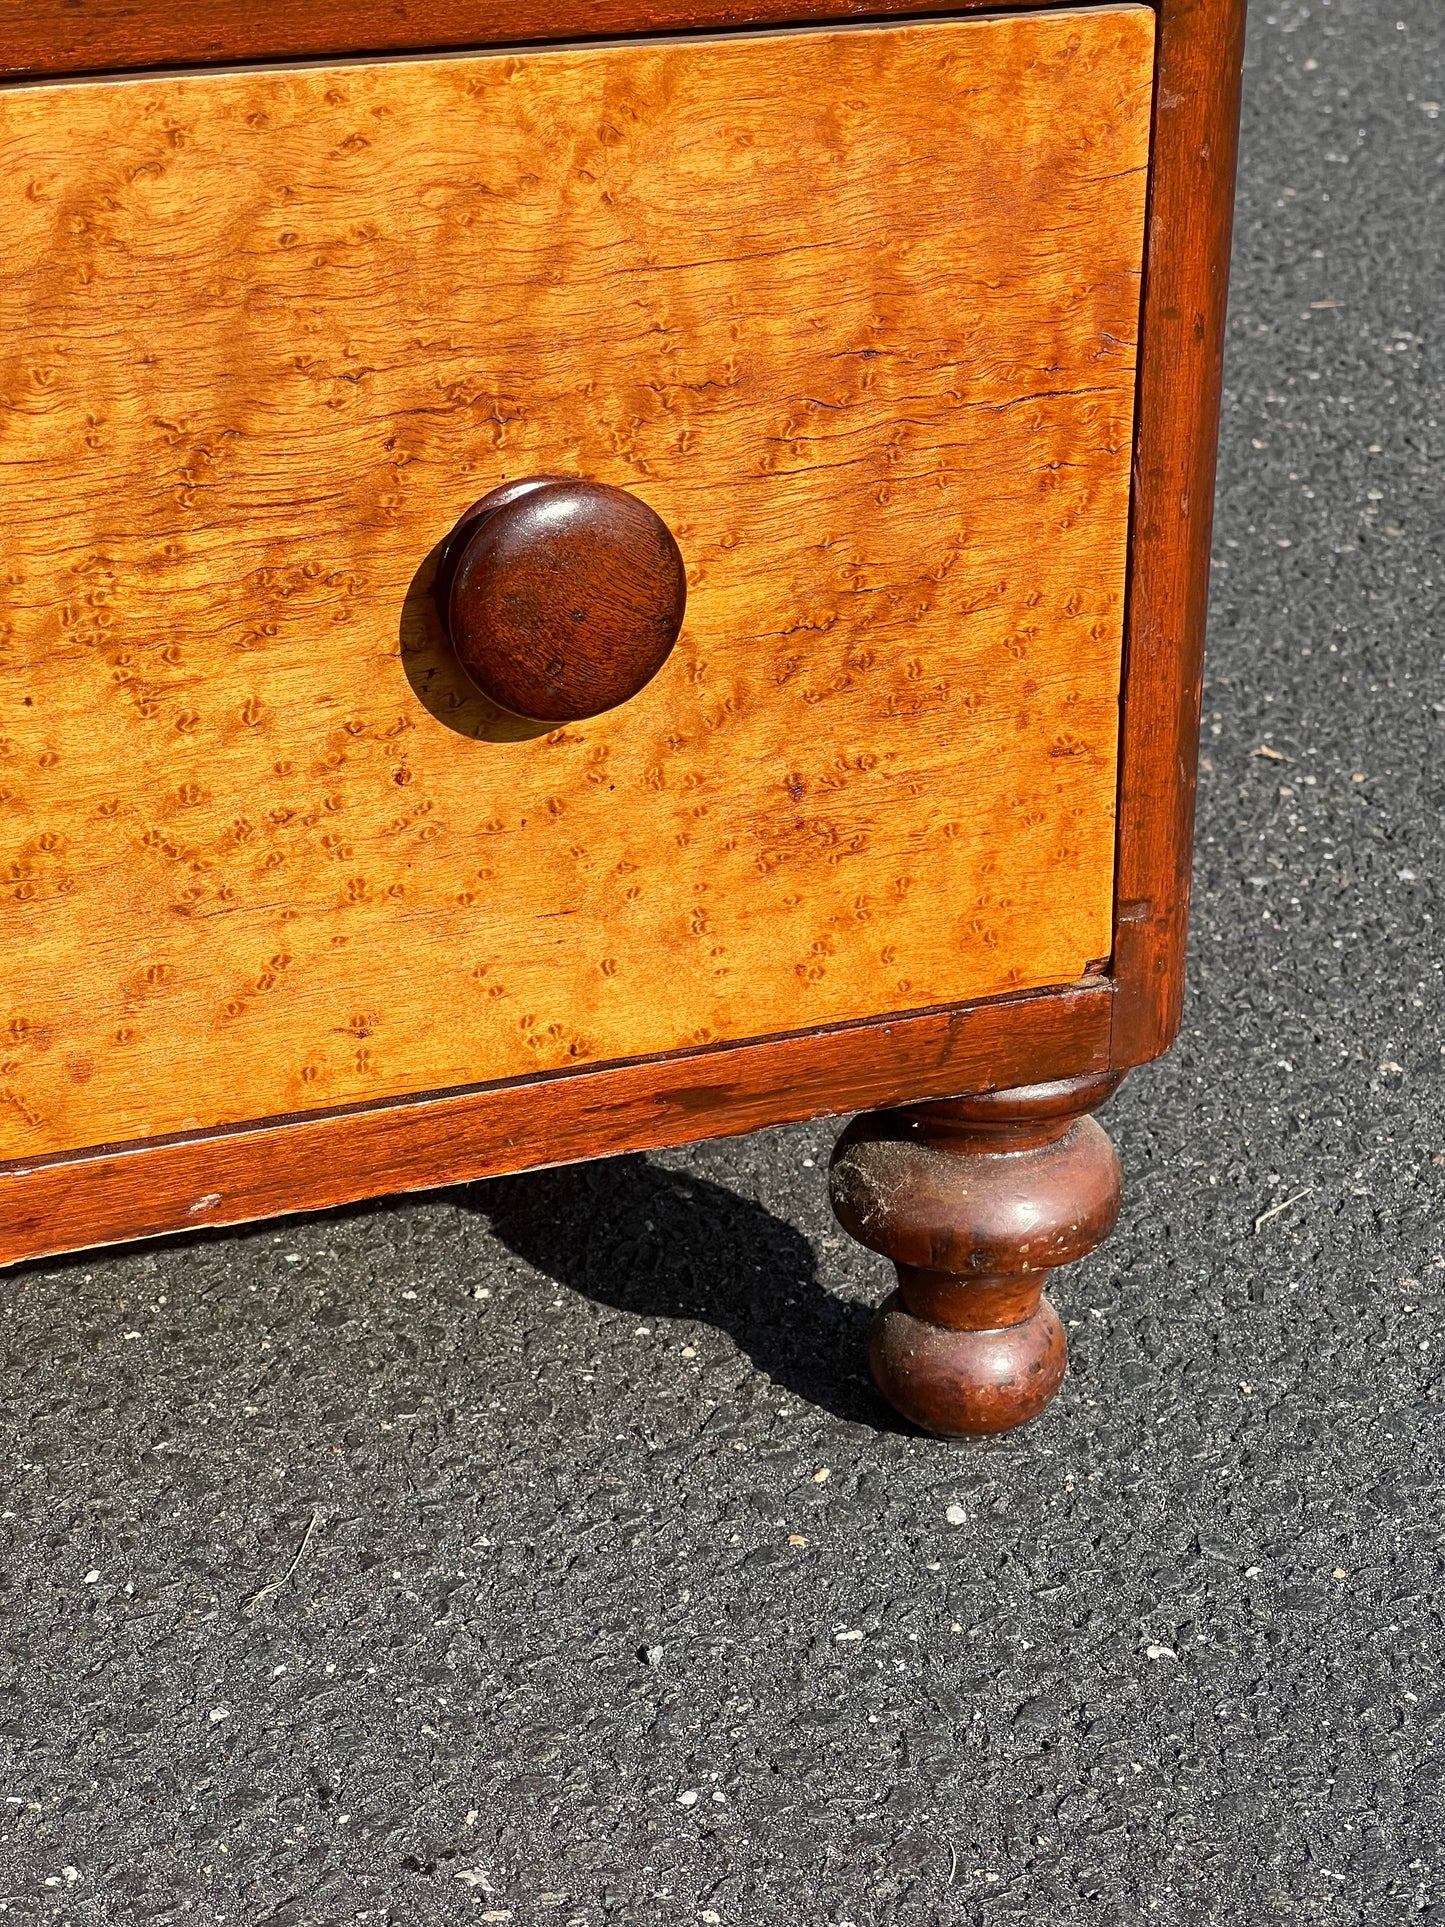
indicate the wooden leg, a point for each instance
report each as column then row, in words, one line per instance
column 977, row 1200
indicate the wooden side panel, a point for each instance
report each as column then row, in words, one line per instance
column 1191, row 212
column 309, row 1164
column 853, row 311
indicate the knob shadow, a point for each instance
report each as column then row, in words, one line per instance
column 437, row 679
column 659, row 1244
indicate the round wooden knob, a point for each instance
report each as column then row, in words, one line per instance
column 562, row 597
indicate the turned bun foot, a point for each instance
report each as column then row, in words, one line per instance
column 962, row 1384
column 977, row 1200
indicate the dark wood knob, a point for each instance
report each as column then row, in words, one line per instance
column 562, row 597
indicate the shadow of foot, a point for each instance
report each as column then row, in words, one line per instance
column 658, row 1244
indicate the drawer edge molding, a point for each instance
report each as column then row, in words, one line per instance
column 99, row 37
column 238, row 1175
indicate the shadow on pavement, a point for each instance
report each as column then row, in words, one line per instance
column 658, row 1244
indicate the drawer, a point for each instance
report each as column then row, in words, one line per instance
column 854, row 311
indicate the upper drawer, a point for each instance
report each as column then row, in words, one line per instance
column 853, row 310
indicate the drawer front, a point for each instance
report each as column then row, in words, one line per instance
column 854, row 311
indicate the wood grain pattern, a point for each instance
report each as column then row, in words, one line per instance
column 306, row 1165
column 96, row 36
column 1191, row 212
column 853, row 311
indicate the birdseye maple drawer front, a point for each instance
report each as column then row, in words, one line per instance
column 852, row 311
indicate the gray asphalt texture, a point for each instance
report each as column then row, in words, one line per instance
column 539, row 1552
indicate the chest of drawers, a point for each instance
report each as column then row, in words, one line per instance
column 572, row 585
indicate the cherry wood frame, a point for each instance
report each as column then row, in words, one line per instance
column 1109, row 1023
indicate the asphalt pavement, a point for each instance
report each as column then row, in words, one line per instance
column 539, row 1552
